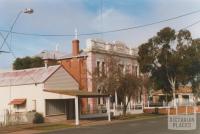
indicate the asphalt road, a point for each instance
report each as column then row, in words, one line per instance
column 147, row 126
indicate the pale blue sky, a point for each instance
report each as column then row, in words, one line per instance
column 63, row 16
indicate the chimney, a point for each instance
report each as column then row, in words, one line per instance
column 46, row 63
column 75, row 47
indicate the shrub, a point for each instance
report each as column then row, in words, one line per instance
column 38, row 118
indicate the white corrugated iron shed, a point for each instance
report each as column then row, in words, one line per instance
column 27, row 76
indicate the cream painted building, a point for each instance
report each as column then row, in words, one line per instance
column 47, row 90
column 25, row 90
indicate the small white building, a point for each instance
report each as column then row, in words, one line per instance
column 47, row 90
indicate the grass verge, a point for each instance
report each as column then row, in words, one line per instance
column 137, row 116
column 49, row 127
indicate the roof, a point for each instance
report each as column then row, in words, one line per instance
column 50, row 54
column 180, row 90
column 27, row 76
column 184, row 89
column 68, row 56
column 58, row 55
column 79, row 93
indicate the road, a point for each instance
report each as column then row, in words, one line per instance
column 147, row 126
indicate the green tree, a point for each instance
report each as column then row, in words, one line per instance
column 167, row 59
column 27, row 62
column 194, row 70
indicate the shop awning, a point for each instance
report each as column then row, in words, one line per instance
column 17, row 102
column 79, row 93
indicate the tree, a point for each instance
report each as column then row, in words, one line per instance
column 165, row 57
column 107, row 80
column 194, row 56
column 129, row 87
column 113, row 79
column 27, row 62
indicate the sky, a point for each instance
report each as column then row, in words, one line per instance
column 64, row 16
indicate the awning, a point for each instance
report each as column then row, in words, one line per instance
column 17, row 102
column 79, row 93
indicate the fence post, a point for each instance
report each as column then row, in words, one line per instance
column 114, row 108
column 6, row 114
column 186, row 110
column 142, row 106
column 108, row 108
column 131, row 103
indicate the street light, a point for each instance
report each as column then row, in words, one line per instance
column 28, row 11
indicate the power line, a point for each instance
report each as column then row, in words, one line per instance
column 191, row 24
column 13, row 54
column 10, row 31
column 109, row 31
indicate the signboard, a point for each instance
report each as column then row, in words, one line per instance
column 182, row 122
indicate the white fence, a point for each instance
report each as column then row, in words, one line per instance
column 133, row 108
column 3, row 114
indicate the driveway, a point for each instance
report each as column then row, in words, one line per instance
column 147, row 126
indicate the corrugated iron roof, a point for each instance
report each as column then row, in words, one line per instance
column 26, row 76
column 53, row 55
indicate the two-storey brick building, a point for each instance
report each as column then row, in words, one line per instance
column 81, row 63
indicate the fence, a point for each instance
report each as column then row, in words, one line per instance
column 16, row 118
column 163, row 108
column 132, row 108
column 3, row 117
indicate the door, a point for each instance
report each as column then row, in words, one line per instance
column 55, row 107
column 70, row 109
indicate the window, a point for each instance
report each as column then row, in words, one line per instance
column 121, row 68
column 98, row 67
column 103, row 68
column 99, row 99
column 134, row 70
column 128, row 69
column 21, row 106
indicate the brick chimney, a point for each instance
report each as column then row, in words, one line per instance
column 75, row 47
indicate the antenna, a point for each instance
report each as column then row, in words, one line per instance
column 101, row 17
column 75, row 33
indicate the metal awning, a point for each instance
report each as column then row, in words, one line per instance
column 17, row 102
column 78, row 93
column 82, row 94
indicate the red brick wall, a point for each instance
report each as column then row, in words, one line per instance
column 77, row 68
